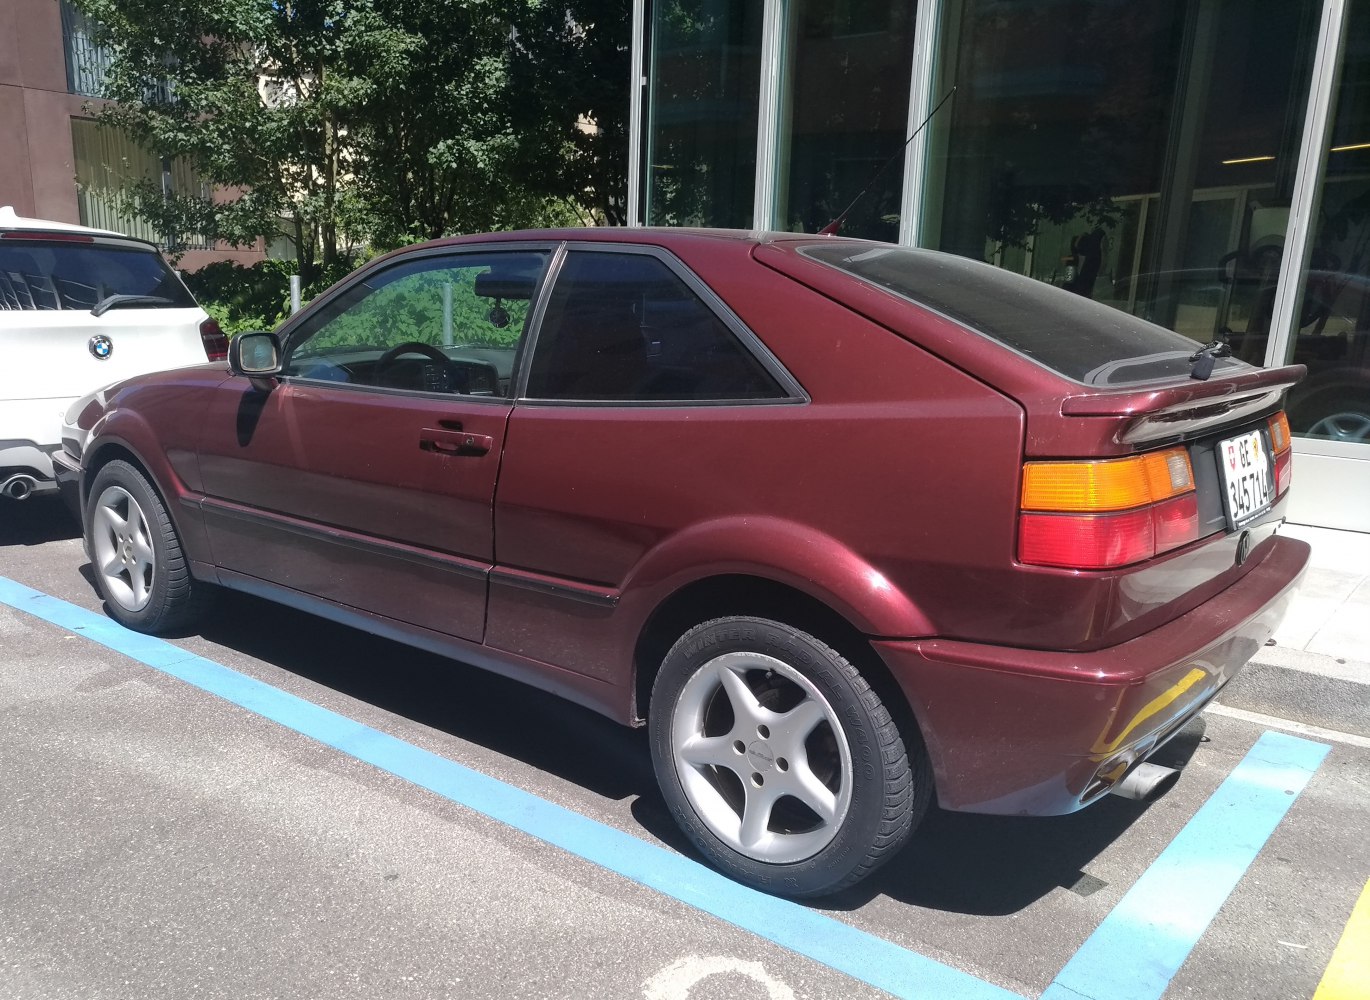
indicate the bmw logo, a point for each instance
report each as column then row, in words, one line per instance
column 101, row 347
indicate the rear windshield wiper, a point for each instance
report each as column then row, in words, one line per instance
column 1206, row 357
column 111, row 301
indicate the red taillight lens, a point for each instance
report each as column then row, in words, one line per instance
column 1107, row 513
column 216, row 343
column 1177, row 522
column 1086, row 541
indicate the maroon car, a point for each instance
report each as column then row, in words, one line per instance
column 848, row 525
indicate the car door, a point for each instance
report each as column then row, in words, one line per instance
column 366, row 475
column 647, row 402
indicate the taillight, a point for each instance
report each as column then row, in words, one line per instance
column 1284, row 454
column 216, row 344
column 1107, row 513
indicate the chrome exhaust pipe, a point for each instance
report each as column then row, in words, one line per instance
column 1146, row 782
column 18, row 487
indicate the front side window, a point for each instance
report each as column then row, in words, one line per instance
column 625, row 327
column 448, row 324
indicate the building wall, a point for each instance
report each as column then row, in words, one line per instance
column 1169, row 159
column 37, row 169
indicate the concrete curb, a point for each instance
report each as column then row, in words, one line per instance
column 1326, row 691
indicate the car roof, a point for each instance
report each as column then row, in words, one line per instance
column 10, row 220
column 646, row 235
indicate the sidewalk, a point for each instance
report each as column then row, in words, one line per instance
column 1318, row 669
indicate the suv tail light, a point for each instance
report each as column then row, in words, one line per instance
column 1280, row 443
column 1107, row 513
column 216, row 343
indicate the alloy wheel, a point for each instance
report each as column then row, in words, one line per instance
column 762, row 757
column 123, row 555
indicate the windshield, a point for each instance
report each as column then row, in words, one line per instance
column 57, row 275
column 1074, row 336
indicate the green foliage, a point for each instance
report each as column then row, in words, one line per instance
column 372, row 121
column 252, row 298
column 411, row 310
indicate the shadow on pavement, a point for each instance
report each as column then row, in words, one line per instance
column 984, row 865
column 471, row 704
column 36, row 521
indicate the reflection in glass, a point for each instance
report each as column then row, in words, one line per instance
column 1139, row 154
column 1332, row 335
column 845, row 112
column 706, row 65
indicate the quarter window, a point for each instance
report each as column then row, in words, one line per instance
column 626, row 327
column 437, row 324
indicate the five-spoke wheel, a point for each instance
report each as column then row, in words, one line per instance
column 121, row 548
column 140, row 569
column 779, row 760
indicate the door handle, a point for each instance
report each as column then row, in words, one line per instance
column 454, row 442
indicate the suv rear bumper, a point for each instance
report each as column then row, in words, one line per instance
column 1033, row 732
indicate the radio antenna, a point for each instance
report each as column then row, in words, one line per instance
column 832, row 227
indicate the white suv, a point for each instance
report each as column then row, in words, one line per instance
column 80, row 308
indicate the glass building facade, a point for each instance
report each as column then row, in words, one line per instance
column 1204, row 164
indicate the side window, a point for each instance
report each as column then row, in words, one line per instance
column 436, row 324
column 625, row 327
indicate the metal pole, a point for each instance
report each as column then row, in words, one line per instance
column 447, row 314
column 294, row 294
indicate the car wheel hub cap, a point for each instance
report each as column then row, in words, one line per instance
column 122, row 550
column 762, row 757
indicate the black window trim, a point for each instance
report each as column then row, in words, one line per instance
column 749, row 341
column 288, row 330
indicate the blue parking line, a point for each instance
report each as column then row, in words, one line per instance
column 1132, row 955
column 1142, row 943
column 862, row 956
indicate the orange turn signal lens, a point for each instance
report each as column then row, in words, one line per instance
column 1279, row 432
column 1111, row 484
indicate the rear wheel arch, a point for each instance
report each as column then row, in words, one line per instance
column 735, row 595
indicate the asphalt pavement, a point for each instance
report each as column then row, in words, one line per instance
column 177, row 823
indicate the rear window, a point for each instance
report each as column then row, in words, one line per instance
column 1074, row 336
column 38, row 275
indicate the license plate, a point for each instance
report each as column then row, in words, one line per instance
column 1249, row 486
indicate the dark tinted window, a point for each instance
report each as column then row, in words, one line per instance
column 37, row 275
column 1075, row 336
column 626, row 327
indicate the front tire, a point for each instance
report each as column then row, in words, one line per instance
column 136, row 555
column 779, row 761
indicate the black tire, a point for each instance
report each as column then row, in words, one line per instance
column 715, row 750
column 136, row 555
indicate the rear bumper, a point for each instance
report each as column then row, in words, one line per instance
column 67, row 472
column 1031, row 732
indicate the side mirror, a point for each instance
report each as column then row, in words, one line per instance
column 256, row 356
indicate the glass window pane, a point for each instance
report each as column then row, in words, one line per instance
column 38, row 275
column 626, row 327
column 1142, row 155
column 706, row 85
column 1332, row 323
column 1074, row 337
column 845, row 113
column 437, row 324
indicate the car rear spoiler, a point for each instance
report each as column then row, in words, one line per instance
column 1182, row 408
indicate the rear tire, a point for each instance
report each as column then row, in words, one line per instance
column 779, row 761
column 136, row 555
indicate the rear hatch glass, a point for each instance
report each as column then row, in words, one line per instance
column 36, row 275
column 1075, row 337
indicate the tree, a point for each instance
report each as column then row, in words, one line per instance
column 389, row 120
